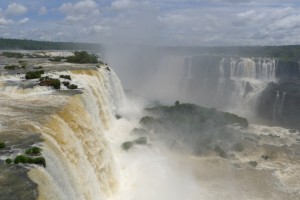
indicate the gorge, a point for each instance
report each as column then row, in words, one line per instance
column 178, row 151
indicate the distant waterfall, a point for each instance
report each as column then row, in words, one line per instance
column 229, row 83
column 260, row 69
column 249, row 76
column 278, row 105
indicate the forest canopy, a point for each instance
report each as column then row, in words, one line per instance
column 13, row 44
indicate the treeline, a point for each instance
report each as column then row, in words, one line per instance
column 287, row 52
column 13, row 44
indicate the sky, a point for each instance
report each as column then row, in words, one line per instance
column 154, row 22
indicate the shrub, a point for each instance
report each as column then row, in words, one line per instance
column 8, row 161
column 25, row 159
column 66, row 83
column 34, row 74
column 56, row 59
column 39, row 67
column 2, row 145
column 65, row 77
column 82, row 57
column 51, row 82
column 11, row 67
column 44, row 78
column 33, row 151
column 72, row 87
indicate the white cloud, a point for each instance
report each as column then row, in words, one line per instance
column 79, row 11
column 24, row 20
column 122, row 4
column 43, row 10
column 16, row 9
column 4, row 21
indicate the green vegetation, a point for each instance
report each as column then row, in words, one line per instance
column 50, row 82
column 190, row 117
column 34, row 74
column 45, row 45
column 8, row 161
column 12, row 54
column 72, row 87
column 66, row 83
column 44, row 78
column 2, row 145
column 33, row 151
column 25, row 159
column 39, row 67
column 65, row 77
column 82, row 57
column 11, row 67
column 56, row 59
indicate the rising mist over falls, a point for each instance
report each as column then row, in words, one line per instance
column 101, row 143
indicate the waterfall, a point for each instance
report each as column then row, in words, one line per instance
column 275, row 106
column 249, row 77
column 72, row 125
column 282, row 103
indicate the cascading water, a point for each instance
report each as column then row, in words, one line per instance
column 72, row 125
column 249, row 77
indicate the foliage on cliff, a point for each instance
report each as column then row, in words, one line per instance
column 190, row 117
column 82, row 57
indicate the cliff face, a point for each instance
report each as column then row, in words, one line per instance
column 287, row 70
column 279, row 102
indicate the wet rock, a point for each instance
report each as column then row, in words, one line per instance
column 221, row 152
column 292, row 130
column 237, row 147
column 118, row 116
column 141, row 140
column 127, row 145
column 139, row 131
column 253, row 163
column 265, row 157
column 248, row 88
